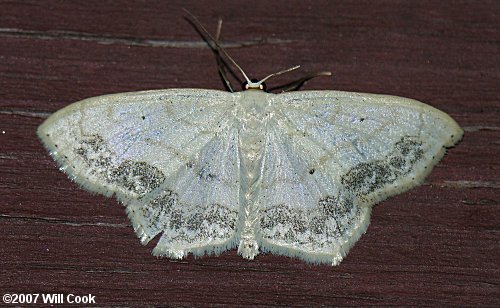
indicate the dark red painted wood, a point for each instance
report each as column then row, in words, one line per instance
column 437, row 244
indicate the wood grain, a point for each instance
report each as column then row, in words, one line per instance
column 437, row 244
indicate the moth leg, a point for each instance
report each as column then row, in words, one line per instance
column 221, row 64
column 297, row 84
column 214, row 45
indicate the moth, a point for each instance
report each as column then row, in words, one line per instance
column 294, row 173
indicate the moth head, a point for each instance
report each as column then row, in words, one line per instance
column 254, row 84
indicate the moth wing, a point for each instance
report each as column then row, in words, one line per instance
column 331, row 155
column 171, row 156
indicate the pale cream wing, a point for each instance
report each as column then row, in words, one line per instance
column 169, row 155
column 331, row 155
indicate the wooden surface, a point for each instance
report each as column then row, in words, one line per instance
column 437, row 244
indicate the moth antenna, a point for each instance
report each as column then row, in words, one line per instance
column 214, row 41
column 279, row 73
